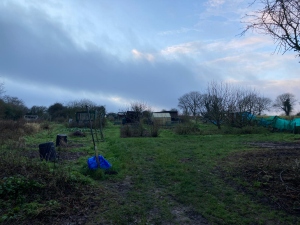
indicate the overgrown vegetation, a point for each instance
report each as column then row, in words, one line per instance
column 139, row 130
column 195, row 174
column 35, row 190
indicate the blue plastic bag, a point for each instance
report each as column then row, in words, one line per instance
column 92, row 163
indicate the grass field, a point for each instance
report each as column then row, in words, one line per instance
column 169, row 179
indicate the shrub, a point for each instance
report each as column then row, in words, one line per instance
column 154, row 130
column 15, row 186
column 125, row 131
column 138, row 130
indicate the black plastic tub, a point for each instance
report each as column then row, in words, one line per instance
column 47, row 151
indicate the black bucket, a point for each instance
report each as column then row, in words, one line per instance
column 61, row 140
column 47, row 151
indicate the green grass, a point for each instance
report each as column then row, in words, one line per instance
column 170, row 178
column 180, row 169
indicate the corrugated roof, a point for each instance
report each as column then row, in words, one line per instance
column 157, row 115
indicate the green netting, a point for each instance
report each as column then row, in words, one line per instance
column 266, row 122
column 280, row 124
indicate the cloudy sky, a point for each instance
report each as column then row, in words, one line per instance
column 121, row 51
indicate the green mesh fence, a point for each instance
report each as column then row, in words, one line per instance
column 280, row 124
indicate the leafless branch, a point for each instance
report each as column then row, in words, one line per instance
column 278, row 19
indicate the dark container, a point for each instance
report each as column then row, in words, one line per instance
column 47, row 151
column 61, row 140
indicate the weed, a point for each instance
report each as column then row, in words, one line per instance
column 14, row 186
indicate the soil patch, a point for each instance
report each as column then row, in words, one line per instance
column 65, row 153
column 270, row 173
column 275, row 145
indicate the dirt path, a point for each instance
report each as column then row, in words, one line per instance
column 164, row 210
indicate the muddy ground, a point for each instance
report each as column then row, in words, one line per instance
column 270, row 173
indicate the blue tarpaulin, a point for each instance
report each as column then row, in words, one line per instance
column 92, row 163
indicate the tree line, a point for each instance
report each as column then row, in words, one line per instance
column 220, row 102
column 225, row 103
column 13, row 108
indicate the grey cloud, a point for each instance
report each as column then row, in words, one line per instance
column 37, row 50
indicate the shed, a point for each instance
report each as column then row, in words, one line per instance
column 29, row 117
column 161, row 118
column 83, row 116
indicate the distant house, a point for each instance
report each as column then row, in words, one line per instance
column 173, row 114
column 30, row 117
column 161, row 118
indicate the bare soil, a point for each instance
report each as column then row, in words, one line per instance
column 64, row 153
column 270, row 173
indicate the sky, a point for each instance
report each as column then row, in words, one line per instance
column 118, row 52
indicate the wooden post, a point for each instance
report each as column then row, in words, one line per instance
column 95, row 147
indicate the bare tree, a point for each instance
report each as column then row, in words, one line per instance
column 279, row 19
column 217, row 101
column 285, row 102
column 190, row 103
column 81, row 104
column 242, row 107
column 247, row 104
column 263, row 104
column 138, row 108
column 183, row 105
column 233, row 105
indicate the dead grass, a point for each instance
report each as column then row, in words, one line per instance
column 33, row 127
